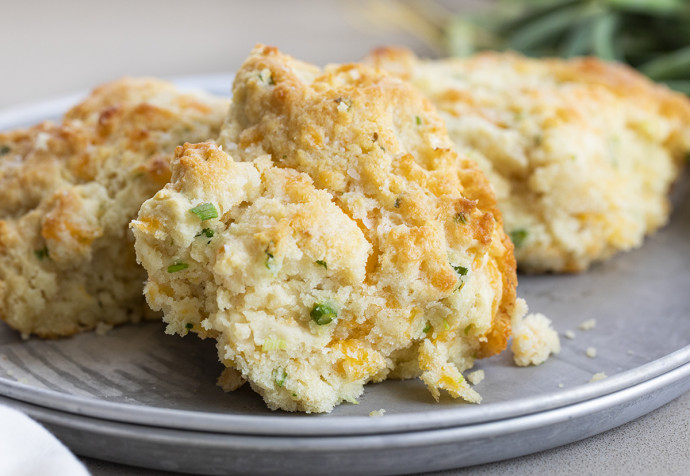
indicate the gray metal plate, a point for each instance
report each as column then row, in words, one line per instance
column 153, row 397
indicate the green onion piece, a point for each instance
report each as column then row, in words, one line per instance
column 518, row 237
column 418, row 120
column 189, row 325
column 179, row 266
column 323, row 313
column 279, row 376
column 427, row 328
column 265, row 76
column 269, row 260
column 461, row 218
column 461, row 270
column 42, row 253
column 4, row 149
column 446, row 326
column 321, row 262
column 273, row 343
column 205, row 211
column 208, row 232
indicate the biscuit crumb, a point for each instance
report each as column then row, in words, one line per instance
column 569, row 334
column 230, row 380
column 588, row 325
column 103, row 328
column 533, row 340
column 475, row 377
column 598, row 376
column 591, row 352
column 377, row 413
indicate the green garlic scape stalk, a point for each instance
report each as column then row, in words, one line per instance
column 653, row 36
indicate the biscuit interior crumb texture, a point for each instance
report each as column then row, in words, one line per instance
column 533, row 340
column 332, row 241
column 581, row 153
column 68, row 192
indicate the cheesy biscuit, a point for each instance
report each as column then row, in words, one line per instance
column 68, row 191
column 332, row 238
column 581, row 153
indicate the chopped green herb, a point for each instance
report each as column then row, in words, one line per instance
column 266, row 77
column 397, row 203
column 323, row 313
column 42, row 253
column 518, row 237
column 270, row 260
column 208, row 232
column 279, row 376
column 4, row 149
column 189, row 325
column 294, row 394
column 418, row 120
column 272, row 343
column 427, row 328
column 461, row 379
column 467, row 329
column 461, row 270
column 461, row 218
column 205, row 211
column 446, row 326
column 179, row 266
column 321, row 262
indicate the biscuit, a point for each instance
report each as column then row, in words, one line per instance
column 581, row 153
column 332, row 238
column 68, row 192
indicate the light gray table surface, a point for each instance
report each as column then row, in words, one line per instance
column 52, row 48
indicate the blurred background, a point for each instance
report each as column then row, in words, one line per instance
column 53, row 47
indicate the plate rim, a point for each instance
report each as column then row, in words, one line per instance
column 298, row 425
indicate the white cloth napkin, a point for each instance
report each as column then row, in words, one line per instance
column 28, row 449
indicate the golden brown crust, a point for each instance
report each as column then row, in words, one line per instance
column 67, row 192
